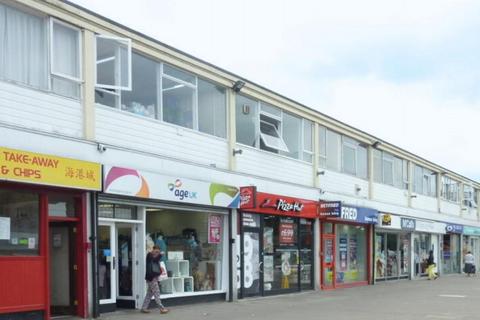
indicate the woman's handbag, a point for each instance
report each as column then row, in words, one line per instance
column 163, row 271
column 156, row 268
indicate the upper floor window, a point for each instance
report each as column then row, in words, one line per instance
column 469, row 196
column 424, row 181
column 26, row 59
column 269, row 128
column 162, row 92
column 341, row 153
column 450, row 189
column 389, row 169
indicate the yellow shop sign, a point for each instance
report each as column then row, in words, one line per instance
column 22, row 166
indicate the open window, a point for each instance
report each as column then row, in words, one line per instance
column 113, row 63
column 270, row 129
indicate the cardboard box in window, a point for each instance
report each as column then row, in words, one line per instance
column 175, row 255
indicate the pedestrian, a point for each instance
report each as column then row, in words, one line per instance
column 431, row 267
column 153, row 271
column 469, row 264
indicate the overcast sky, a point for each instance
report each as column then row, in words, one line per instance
column 406, row 71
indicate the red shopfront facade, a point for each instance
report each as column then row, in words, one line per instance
column 43, row 234
column 276, row 241
column 346, row 245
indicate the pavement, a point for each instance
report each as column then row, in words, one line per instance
column 449, row 297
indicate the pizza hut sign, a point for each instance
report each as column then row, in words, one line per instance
column 289, row 206
column 267, row 203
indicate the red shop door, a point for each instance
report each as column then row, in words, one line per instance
column 328, row 261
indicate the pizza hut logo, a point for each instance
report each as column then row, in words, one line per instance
column 247, row 197
column 282, row 205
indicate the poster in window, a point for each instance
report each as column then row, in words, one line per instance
column 4, row 228
column 342, row 250
column 286, row 233
column 214, row 229
column 353, row 252
column 268, row 240
column 268, row 268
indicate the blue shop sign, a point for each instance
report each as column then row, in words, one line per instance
column 454, row 228
column 359, row 214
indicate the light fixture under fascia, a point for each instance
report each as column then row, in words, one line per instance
column 320, row 172
column 237, row 151
column 376, row 144
column 238, row 85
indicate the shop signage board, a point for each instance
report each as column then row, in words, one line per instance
column 280, row 205
column 37, row 168
column 150, row 185
column 407, row 224
column 348, row 213
column 471, row 231
column 430, row 226
column 329, row 209
column 454, row 228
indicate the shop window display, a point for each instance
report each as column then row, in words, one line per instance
column 281, row 254
column 193, row 247
column 351, row 254
column 19, row 223
column 451, row 253
column 391, row 255
column 422, row 245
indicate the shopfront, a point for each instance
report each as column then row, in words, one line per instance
column 188, row 219
column 471, row 242
column 345, row 251
column 451, row 249
column 43, row 234
column 275, row 254
column 392, row 247
column 426, row 239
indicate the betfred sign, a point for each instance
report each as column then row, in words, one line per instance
column 336, row 210
column 267, row 203
column 329, row 209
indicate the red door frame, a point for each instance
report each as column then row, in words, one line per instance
column 368, row 266
column 43, row 258
column 324, row 265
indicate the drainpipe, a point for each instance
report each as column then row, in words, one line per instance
column 94, row 242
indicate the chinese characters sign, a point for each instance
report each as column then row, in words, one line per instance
column 22, row 166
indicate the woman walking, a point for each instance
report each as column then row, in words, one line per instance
column 153, row 271
column 431, row 266
column 469, row 264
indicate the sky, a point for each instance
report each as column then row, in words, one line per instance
column 406, row 71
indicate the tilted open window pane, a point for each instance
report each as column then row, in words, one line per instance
column 271, row 137
column 113, row 63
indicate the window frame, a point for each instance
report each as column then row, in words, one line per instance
column 52, row 22
column 129, row 59
column 447, row 193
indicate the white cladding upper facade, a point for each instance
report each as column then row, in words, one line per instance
column 294, row 150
